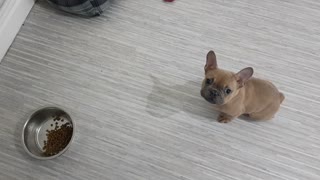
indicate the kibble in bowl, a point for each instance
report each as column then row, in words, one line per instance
column 48, row 133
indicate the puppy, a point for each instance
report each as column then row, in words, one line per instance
column 236, row 94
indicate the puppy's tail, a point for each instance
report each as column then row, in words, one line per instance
column 281, row 97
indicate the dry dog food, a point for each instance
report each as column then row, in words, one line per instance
column 57, row 138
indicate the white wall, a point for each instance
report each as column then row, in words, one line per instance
column 12, row 15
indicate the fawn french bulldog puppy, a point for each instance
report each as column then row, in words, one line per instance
column 236, row 94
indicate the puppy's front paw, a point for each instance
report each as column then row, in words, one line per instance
column 223, row 118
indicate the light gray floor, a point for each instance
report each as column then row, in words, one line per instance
column 131, row 81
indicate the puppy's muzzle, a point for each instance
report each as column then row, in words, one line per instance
column 213, row 93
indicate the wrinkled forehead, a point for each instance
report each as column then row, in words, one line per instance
column 221, row 78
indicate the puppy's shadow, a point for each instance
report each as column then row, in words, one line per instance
column 166, row 100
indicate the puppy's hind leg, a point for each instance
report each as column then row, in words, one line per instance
column 266, row 114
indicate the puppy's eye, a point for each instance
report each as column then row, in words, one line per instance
column 228, row 91
column 209, row 81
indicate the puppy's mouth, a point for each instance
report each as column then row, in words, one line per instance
column 211, row 100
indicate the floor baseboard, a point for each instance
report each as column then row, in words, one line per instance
column 12, row 15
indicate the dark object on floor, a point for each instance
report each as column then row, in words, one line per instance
column 168, row 0
column 81, row 7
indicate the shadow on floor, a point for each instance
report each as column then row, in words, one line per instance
column 166, row 100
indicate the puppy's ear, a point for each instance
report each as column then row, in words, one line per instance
column 244, row 75
column 211, row 61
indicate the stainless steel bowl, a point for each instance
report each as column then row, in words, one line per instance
column 35, row 130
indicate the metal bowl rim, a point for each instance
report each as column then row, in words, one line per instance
column 26, row 123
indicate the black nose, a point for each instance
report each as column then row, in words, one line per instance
column 214, row 93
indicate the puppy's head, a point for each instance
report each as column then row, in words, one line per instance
column 220, row 86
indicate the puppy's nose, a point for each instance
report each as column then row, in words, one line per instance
column 214, row 93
